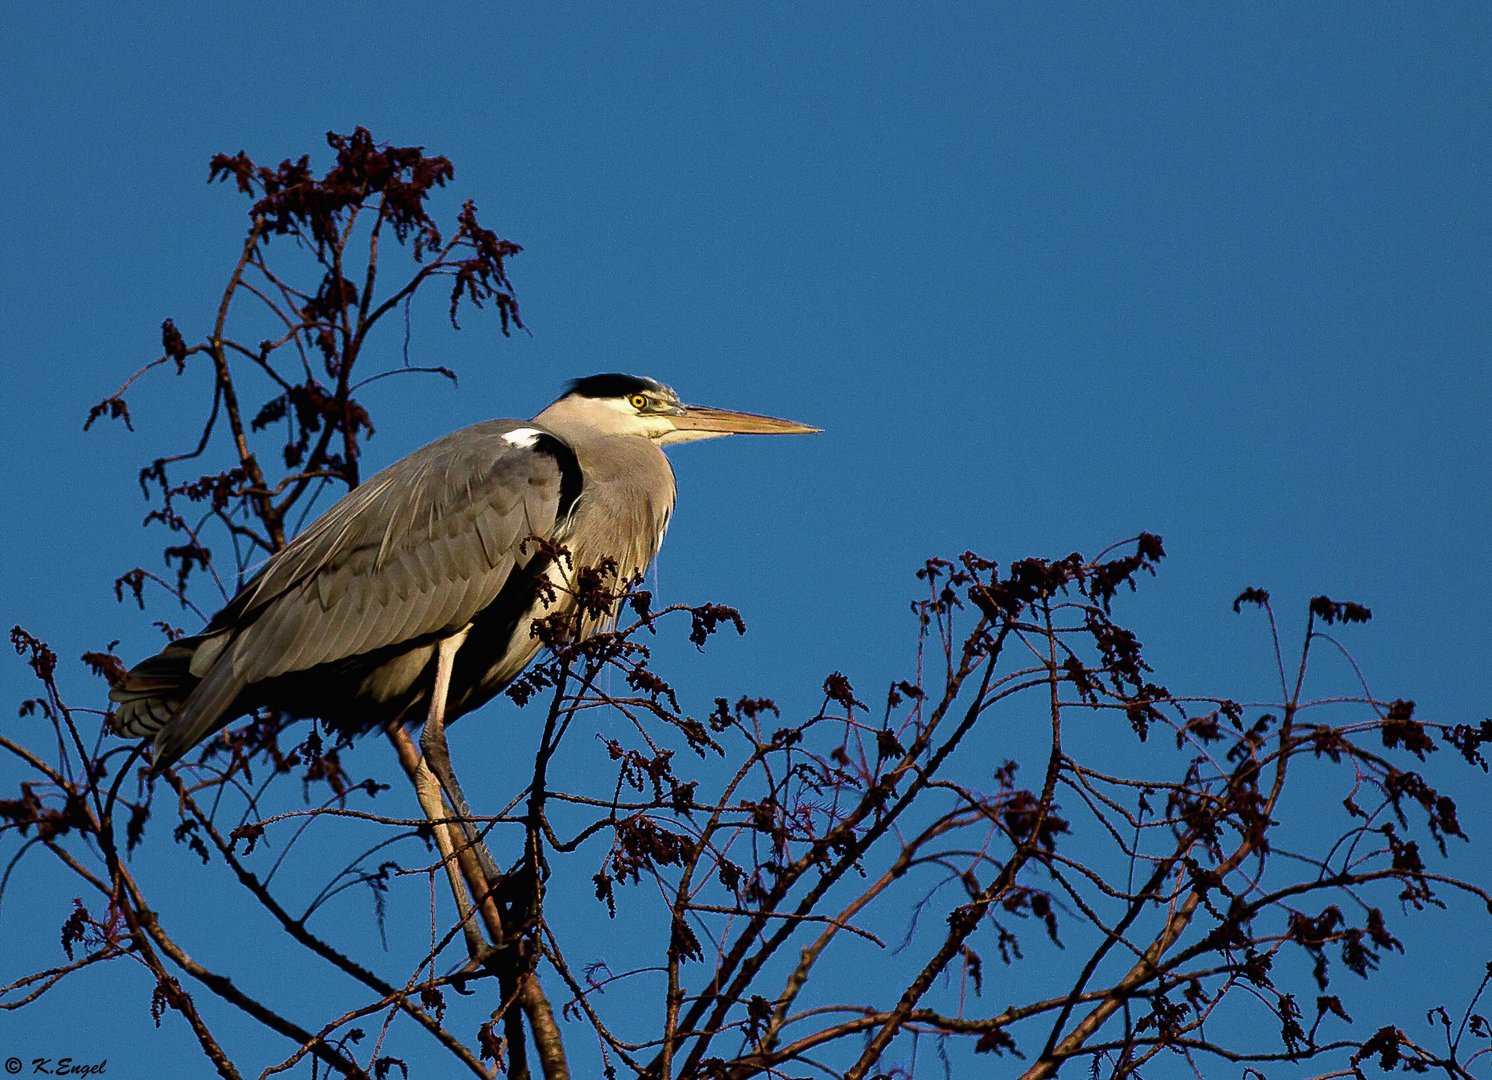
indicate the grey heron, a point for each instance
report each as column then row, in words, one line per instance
column 413, row 597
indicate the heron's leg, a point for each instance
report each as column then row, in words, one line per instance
column 437, row 755
column 427, row 790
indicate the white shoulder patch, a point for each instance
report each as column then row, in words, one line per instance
column 524, row 436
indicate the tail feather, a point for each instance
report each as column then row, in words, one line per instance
column 162, row 698
column 153, row 690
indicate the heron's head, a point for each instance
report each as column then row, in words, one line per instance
column 635, row 405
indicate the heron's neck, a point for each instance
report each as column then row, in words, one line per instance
column 626, row 495
column 626, row 461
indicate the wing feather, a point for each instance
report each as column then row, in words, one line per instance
column 414, row 553
column 417, row 551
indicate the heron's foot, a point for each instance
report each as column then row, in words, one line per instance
column 486, row 958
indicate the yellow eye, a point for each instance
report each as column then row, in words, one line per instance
column 638, row 401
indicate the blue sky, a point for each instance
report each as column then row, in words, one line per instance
column 1047, row 275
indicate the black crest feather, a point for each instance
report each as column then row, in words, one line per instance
column 613, row 384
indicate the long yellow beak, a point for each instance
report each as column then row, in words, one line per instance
column 730, row 422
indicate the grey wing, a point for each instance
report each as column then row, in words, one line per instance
column 415, row 552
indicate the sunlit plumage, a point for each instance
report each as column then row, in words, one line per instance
column 428, row 563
